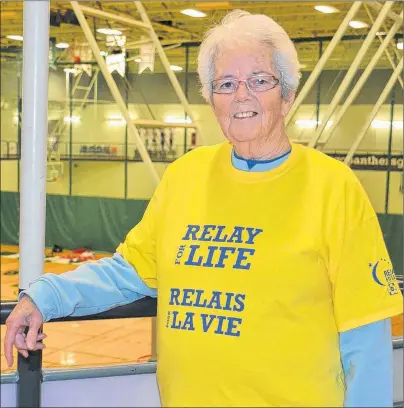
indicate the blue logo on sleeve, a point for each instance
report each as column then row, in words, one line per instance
column 383, row 275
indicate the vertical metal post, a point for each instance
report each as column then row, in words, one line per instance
column 318, row 96
column 126, row 135
column 95, row 28
column 392, row 103
column 186, row 92
column 33, row 176
column 19, row 110
column 70, row 134
column 33, row 148
column 95, row 96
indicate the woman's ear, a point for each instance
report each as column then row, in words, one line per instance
column 287, row 103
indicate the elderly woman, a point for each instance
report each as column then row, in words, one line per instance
column 274, row 284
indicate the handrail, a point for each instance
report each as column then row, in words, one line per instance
column 9, row 378
column 398, row 342
column 62, row 374
column 146, row 307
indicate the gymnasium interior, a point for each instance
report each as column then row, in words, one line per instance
column 124, row 103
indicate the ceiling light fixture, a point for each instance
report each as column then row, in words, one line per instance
column 326, row 9
column 358, row 24
column 15, row 37
column 72, row 119
column 174, row 119
column 310, row 124
column 175, row 68
column 108, row 31
column 385, row 124
column 193, row 13
column 118, row 120
column 62, row 45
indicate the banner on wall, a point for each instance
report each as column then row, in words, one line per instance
column 94, row 149
column 147, row 56
column 372, row 161
column 116, row 60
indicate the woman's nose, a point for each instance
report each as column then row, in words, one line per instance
column 242, row 92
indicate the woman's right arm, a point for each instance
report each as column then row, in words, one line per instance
column 91, row 288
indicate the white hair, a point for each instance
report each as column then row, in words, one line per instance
column 239, row 27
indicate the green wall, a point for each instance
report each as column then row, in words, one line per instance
column 102, row 223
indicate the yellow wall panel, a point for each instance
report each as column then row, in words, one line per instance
column 9, row 175
column 374, row 183
column 98, row 179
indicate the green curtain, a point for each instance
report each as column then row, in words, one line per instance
column 393, row 228
column 9, row 217
column 74, row 222
column 101, row 224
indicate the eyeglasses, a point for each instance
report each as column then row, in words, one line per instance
column 256, row 83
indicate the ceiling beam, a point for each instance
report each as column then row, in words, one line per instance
column 113, row 17
column 375, row 5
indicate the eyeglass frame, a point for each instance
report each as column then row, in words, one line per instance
column 234, row 80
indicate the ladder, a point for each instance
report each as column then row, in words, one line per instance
column 62, row 124
column 54, row 164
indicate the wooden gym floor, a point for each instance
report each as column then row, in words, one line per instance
column 88, row 343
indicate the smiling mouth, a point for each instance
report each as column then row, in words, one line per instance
column 244, row 115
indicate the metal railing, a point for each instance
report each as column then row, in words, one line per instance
column 146, row 307
column 101, row 151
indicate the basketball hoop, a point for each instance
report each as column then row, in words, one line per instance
column 80, row 52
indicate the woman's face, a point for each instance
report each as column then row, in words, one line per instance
column 266, row 110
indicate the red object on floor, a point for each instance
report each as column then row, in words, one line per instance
column 80, row 250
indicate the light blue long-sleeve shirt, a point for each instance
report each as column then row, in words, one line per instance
column 366, row 352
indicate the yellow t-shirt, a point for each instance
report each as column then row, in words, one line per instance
column 257, row 273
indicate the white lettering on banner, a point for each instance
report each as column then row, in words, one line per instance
column 372, row 161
